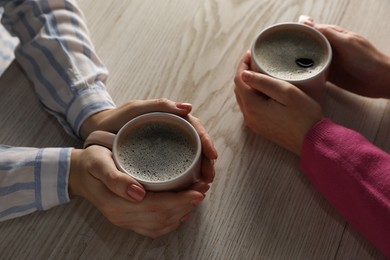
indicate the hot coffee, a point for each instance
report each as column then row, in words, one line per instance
column 291, row 55
column 156, row 152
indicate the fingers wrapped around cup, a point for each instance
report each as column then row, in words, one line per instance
column 161, row 151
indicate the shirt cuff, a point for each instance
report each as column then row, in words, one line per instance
column 86, row 103
column 52, row 167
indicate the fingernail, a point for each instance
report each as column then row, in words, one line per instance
column 196, row 202
column 184, row 105
column 136, row 192
column 247, row 75
column 206, row 189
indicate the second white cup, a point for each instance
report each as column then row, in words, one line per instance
column 296, row 53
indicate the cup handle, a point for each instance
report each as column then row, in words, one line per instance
column 99, row 137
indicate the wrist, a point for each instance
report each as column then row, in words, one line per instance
column 92, row 123
column 74, row 174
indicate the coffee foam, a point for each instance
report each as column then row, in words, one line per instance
column 156, row 152
column 277, row 53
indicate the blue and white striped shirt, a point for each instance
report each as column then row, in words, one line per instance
column 57, row 55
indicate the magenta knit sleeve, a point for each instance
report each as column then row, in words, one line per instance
column 353, row 175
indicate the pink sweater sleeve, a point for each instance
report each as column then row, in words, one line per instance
column 353, row 175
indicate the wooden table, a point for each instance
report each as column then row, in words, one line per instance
column 260, row 205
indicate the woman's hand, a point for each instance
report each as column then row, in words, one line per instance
column 122, row 200
column 357, row 65
column 275, row 109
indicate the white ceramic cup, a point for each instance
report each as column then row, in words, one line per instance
column 273, row 60
column 114, row 142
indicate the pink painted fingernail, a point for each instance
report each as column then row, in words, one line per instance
column 184, row 105
column 205, row 190
column 135, row 192
column 196, row 202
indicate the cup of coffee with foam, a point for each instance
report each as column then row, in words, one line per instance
column 162, row 151
column 294, row 52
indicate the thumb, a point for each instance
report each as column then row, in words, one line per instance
column 116, row 181
column 136, row 108
column 114, row 119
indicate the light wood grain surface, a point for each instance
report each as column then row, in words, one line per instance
column 260, row 205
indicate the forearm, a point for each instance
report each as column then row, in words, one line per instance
column 58, row 57
column 32, row 179
column 353, row 175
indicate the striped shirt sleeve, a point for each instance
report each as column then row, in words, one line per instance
column 32, row 179
column 58, row 57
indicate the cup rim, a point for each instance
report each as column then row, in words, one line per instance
column 157, row 115
column 305, row 27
